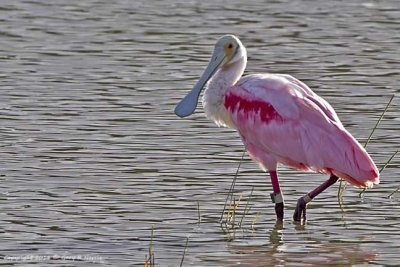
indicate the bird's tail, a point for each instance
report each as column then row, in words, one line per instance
column 357, row 166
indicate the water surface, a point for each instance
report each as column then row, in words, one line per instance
column 92, row 155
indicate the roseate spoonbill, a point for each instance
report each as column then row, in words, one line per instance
column 280, row 120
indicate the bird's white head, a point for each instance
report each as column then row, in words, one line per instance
column 227, row 51
column 231, row 48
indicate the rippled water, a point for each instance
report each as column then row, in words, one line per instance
column 92, row 155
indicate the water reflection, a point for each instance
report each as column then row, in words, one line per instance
column 319, row 252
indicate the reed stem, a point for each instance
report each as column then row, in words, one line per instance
column 342, row 187
column 379, row 120
column 198, row 212
column 246, row 209
column 184, row 251
column 230, row 193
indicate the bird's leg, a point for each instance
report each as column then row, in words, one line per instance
column 300, row 211
column 277, row 196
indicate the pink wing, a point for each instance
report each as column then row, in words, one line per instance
column 281, row 120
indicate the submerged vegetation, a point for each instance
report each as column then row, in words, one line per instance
column 233, row 215
column 149, row 259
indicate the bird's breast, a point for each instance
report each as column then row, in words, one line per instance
column 214, row 107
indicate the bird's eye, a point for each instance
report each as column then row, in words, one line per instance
column 230, row 46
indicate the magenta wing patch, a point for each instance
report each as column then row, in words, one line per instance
column 249, row 106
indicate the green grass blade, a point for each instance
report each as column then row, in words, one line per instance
column 184, row 251
column 361, row 194
column 379, row 120
column 380, row 171
column 198, row 212
column 388, row 162
column 370, row 136
column 384, row 166
column 340, row 189
column 395, row 191
column 230, row 193
column 246, row 209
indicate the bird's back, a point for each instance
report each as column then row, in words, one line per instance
column 281, row 116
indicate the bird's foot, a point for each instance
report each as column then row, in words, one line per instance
column 277, row 198
column 279, row 210
column 300, row 211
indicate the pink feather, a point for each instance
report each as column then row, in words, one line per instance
column 281, row 120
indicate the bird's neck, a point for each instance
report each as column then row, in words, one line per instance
column 223, row 79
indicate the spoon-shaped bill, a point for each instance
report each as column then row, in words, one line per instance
column 188, row 104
